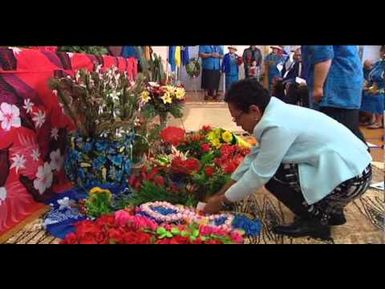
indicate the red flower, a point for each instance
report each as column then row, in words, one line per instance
column 172, row 135
column 205, row 147
column 159, row 180
column 209, row 171
column 70, row 239
column 188, row 166
column 137, row 238
column 229, row 168
column 206, row 128
column 116, row 235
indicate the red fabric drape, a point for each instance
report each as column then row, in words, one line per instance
column 33, row 127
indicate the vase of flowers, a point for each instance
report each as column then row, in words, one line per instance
column 104, row 106
column 162, row 100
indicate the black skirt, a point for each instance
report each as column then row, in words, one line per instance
column 210, row 79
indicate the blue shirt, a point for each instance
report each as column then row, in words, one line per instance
column 343, row 84
column 230, row 64
column 211, row 63
column 376, row 75
column 129, row 51
column 327, row 153
column 272, row 60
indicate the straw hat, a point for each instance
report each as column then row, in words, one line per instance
column 232, row 47
column 277, row 47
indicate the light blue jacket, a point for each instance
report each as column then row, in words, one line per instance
column 327, row 153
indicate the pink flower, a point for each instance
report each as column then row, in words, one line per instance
column 122, row 217
column 9, row 116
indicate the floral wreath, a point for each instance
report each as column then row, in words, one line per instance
column 164, row 212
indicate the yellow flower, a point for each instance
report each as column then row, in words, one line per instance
column 242, row 143
column 166, row 98
column 212, row 135
column 215, row 143
column 145, row 96
column 96, row 190
column 180, row 93
column 227, row 136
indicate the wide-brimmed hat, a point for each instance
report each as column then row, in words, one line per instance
column 232, row 47
column 277, row 47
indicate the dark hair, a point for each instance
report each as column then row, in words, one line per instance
column 247, row 92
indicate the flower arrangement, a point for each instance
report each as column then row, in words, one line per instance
column 124, row 227
column 193, row 68
column 190, row 168
column 163, row 223
column 164, row 212
column 99, row 102
column 105, row 107
column 162, row 100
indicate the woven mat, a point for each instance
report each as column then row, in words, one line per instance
column 365, row 220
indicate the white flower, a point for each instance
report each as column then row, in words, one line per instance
column 65, row 203
column 28, row 104
column 9, row 116
column 43, row 178
column 98, row 68
column 39, row 118
column 35, row 154
column 3, row 194
column 55, row 133
column 56, row 160
column 18, row 162
column 16, row 50
column 166, row 98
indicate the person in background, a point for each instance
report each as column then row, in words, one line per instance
column 211, row 70
column 310, row 162
column 334, row 76
column 273, row 61
column 253, row 53
column 367, row 109
column 377, row 90
column 230, row 66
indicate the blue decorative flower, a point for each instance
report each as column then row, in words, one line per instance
column 251, row 227
column 117, row 160
column 220, row 221
column 163, row 210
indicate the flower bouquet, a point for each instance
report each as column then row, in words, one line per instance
column 158, row 100
column 195, row 166
column 104, row 106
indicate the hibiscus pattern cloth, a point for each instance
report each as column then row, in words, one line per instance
column 33, row 127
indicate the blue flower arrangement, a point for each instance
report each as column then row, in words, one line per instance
column 94, row 161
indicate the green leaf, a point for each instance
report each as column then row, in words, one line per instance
column 161, row 230
column 195, row 233
column 175, row 231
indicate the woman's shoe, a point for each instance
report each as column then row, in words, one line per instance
column 304, row 227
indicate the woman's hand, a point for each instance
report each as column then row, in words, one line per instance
column 214, row 204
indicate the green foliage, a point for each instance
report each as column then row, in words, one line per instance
column 99, row 102
column 99, row 203
column 150, row 192
column 95, row 50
